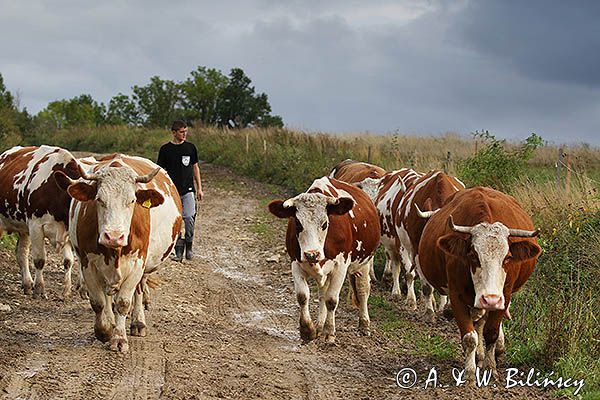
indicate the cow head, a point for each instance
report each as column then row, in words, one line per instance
column 370, row 186
column 488, row 252
column 115, row 191
column 311, row 212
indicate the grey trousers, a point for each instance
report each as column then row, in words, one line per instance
column 188, row 203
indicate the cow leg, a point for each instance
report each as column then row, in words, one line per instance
column 363, row 290
column 322, row 307
column 101, row 304
column 500, row 346
column 123, row 301
column 427, row 294
column 396, row 268
column 138, row 316
column 479, row 317
column 332, row 297
column 387, row 271
column 411, row 298
column 372, row 271
column 23, row 245
column 467, row 332
column 491, row 332
column 80, row 286
column 68, row 261
column 443, row 302
column 38, row 254
column 307, row 327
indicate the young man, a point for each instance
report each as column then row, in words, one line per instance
column 180, row 159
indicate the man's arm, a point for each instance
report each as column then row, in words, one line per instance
column 198, row 182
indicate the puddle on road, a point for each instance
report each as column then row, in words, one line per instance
column 232, row 273
column 263, row 319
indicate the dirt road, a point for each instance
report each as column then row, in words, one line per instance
column 222, row 326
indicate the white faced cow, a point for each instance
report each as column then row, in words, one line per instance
column 123, row 223
column 333, row 229
column 32, row 206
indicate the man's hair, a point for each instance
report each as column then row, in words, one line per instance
column 177, row 125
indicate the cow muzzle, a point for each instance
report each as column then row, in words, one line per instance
column 112, row 239
column 313, row 256
column 491, row 302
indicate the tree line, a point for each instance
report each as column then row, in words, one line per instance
column 207, row 97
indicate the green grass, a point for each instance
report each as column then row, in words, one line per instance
column 8, row 242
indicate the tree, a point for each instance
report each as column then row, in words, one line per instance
column 80, row 111
column 122, row 110
column 12, row 121
column 201, row 93
column 157, row 102
column 240, row 106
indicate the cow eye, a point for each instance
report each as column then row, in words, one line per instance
column 324, row 226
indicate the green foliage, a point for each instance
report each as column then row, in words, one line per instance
column 240, row 107
column 121, row 111
column 201, row 92
column 556, row 325
column 80, row 111
column 494, row 164
column 156, row 102
column 11, row 119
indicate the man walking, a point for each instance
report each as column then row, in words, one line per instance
column 180, row 159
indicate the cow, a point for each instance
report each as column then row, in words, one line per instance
column 333, row 230
column 428, row 193
column 351, row 171
column 479, row 249
column 386, row 193
column 32, row 206
column 123, row 222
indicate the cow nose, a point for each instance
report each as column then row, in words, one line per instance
column 312, row 256
column 113, row 239
column 492, row 302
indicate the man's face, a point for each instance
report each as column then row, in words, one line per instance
column 180, row 135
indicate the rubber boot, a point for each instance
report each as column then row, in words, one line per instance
column 179, row 247
column 189, row 253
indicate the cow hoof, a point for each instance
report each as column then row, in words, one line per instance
column 365, row 331
column 27, row 290
column 396, row 296
column 119, row 344
column 102, row 334
column 308, row 333
column 429, row 315
column 138, row 330
column 66, row 294
column 330, row 339
column 411, row 304
column 39, row 292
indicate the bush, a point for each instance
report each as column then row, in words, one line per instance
column 495, row 165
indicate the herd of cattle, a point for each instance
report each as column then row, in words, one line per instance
column 122, row 215
column 476, row 246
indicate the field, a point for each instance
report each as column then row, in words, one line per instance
column 554, row 326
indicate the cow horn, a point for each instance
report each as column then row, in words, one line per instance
column 148, row 177
column 332, row 200
column 458, row 228
column 425, row 214
column 288, row 203
column 523, row 233
column 85, row 175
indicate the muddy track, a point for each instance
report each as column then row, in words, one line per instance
column 223, row 326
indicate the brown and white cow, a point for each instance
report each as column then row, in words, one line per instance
column 351, row 171
column 333, row 230
column 123, row 224
column 429, row 192
column 386, row 193
column 32, row 206
column 479, row 249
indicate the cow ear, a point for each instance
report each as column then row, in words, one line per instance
column 149, row 198
column 82, row 191
column 343, row 205
column 454, row 245
column 524, row 250
column 62, row 180
column 277, row 209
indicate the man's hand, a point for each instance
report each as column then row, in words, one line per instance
column 199, row 195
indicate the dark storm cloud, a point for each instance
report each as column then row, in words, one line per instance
column 417, row 66
column 546, row 40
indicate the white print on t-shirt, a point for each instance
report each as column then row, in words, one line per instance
column 185, row 160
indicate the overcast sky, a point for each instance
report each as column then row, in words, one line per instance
column 418, row 67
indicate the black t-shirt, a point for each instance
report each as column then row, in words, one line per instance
column 178, row 161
